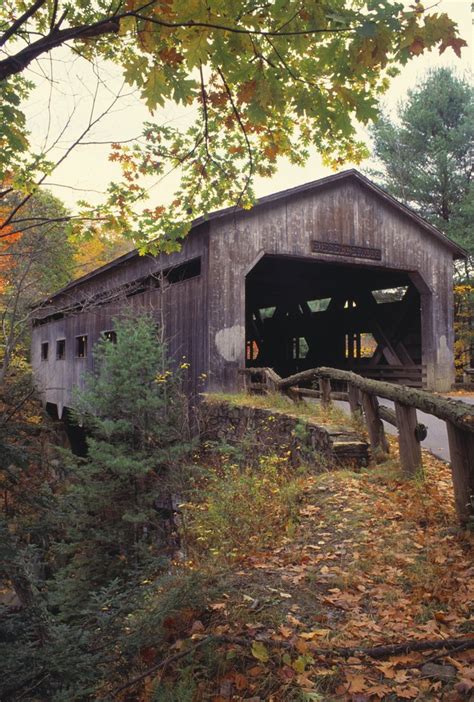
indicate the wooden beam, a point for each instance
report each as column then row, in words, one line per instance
column 403, row 310
column 325, row 390
column 375, row 429
column 408, row 443
column 354, row 400
column 389, row 415
column 459, row 413
column 461, row 450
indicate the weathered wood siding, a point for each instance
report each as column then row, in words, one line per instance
column 346, row 213
column 182, row 306
column 205, row 316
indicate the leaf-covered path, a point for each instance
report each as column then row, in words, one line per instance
column 373, row 560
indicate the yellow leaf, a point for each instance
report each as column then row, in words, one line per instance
column 299, row 665
column 127, row 24
column 310, row 635
column 260, row 652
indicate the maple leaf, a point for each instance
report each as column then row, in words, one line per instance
column 155, row 87
column 409, row 692
column 357, row 683
column 455, row 43
column 417, row 47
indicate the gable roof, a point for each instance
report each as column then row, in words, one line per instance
column 457, row 251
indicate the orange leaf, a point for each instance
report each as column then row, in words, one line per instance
column 417, row 47
column 310, row 635
column 407, row 693
column 285, row 631
column 240, row 681
column 357, row 683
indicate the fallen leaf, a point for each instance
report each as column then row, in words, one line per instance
column 285, row 631
column 310, row 635
column 260, row 651
column 197, row 627
column 255, row 671
column 464, row 686
column 409, row 692
column 357, row 683
column 240, row 681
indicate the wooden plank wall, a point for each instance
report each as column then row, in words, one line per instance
column 205, row 316
column 184, row 313
column 345, row 213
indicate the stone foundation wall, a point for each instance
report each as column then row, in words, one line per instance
column 260, row 431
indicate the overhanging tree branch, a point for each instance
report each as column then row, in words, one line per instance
column 20, row 21
column 111, row 25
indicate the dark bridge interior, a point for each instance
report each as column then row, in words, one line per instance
column 301, row 314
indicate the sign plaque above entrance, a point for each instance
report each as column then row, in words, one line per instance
column 327, row 247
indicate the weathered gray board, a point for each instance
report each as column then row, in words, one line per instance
column 354, row 224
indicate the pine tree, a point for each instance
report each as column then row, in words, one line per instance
column 425, row 154
column 133, row 411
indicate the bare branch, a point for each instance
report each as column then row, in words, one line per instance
column 244, row 132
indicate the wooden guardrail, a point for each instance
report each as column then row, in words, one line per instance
column 362, row 395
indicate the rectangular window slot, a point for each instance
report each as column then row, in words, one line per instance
column 110, row 336
column 176, row 274
column 190, row 269
column 139, row 286
column 44, row 351
column 60, row 349
column 81, row 346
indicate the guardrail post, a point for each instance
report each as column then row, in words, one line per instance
column 408, row 443
column 375, row 429
column 354, row 399
column 461, row 450
column 325, row 388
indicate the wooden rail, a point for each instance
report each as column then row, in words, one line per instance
column 362, row 395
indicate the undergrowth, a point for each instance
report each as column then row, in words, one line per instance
column 239, row 509
column 307, row 561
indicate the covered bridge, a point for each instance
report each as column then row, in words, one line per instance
column 334, row 272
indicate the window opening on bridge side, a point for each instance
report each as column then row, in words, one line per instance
column 110, row 335
column 60, row 349
column 81, row 346
column 389, row 294
column 360, row 345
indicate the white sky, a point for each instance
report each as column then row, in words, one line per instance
column 87, row 170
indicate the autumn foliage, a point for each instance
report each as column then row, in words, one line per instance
column 307, row 74
column 463, row 326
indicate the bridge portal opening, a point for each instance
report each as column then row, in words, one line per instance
column 303, row 313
